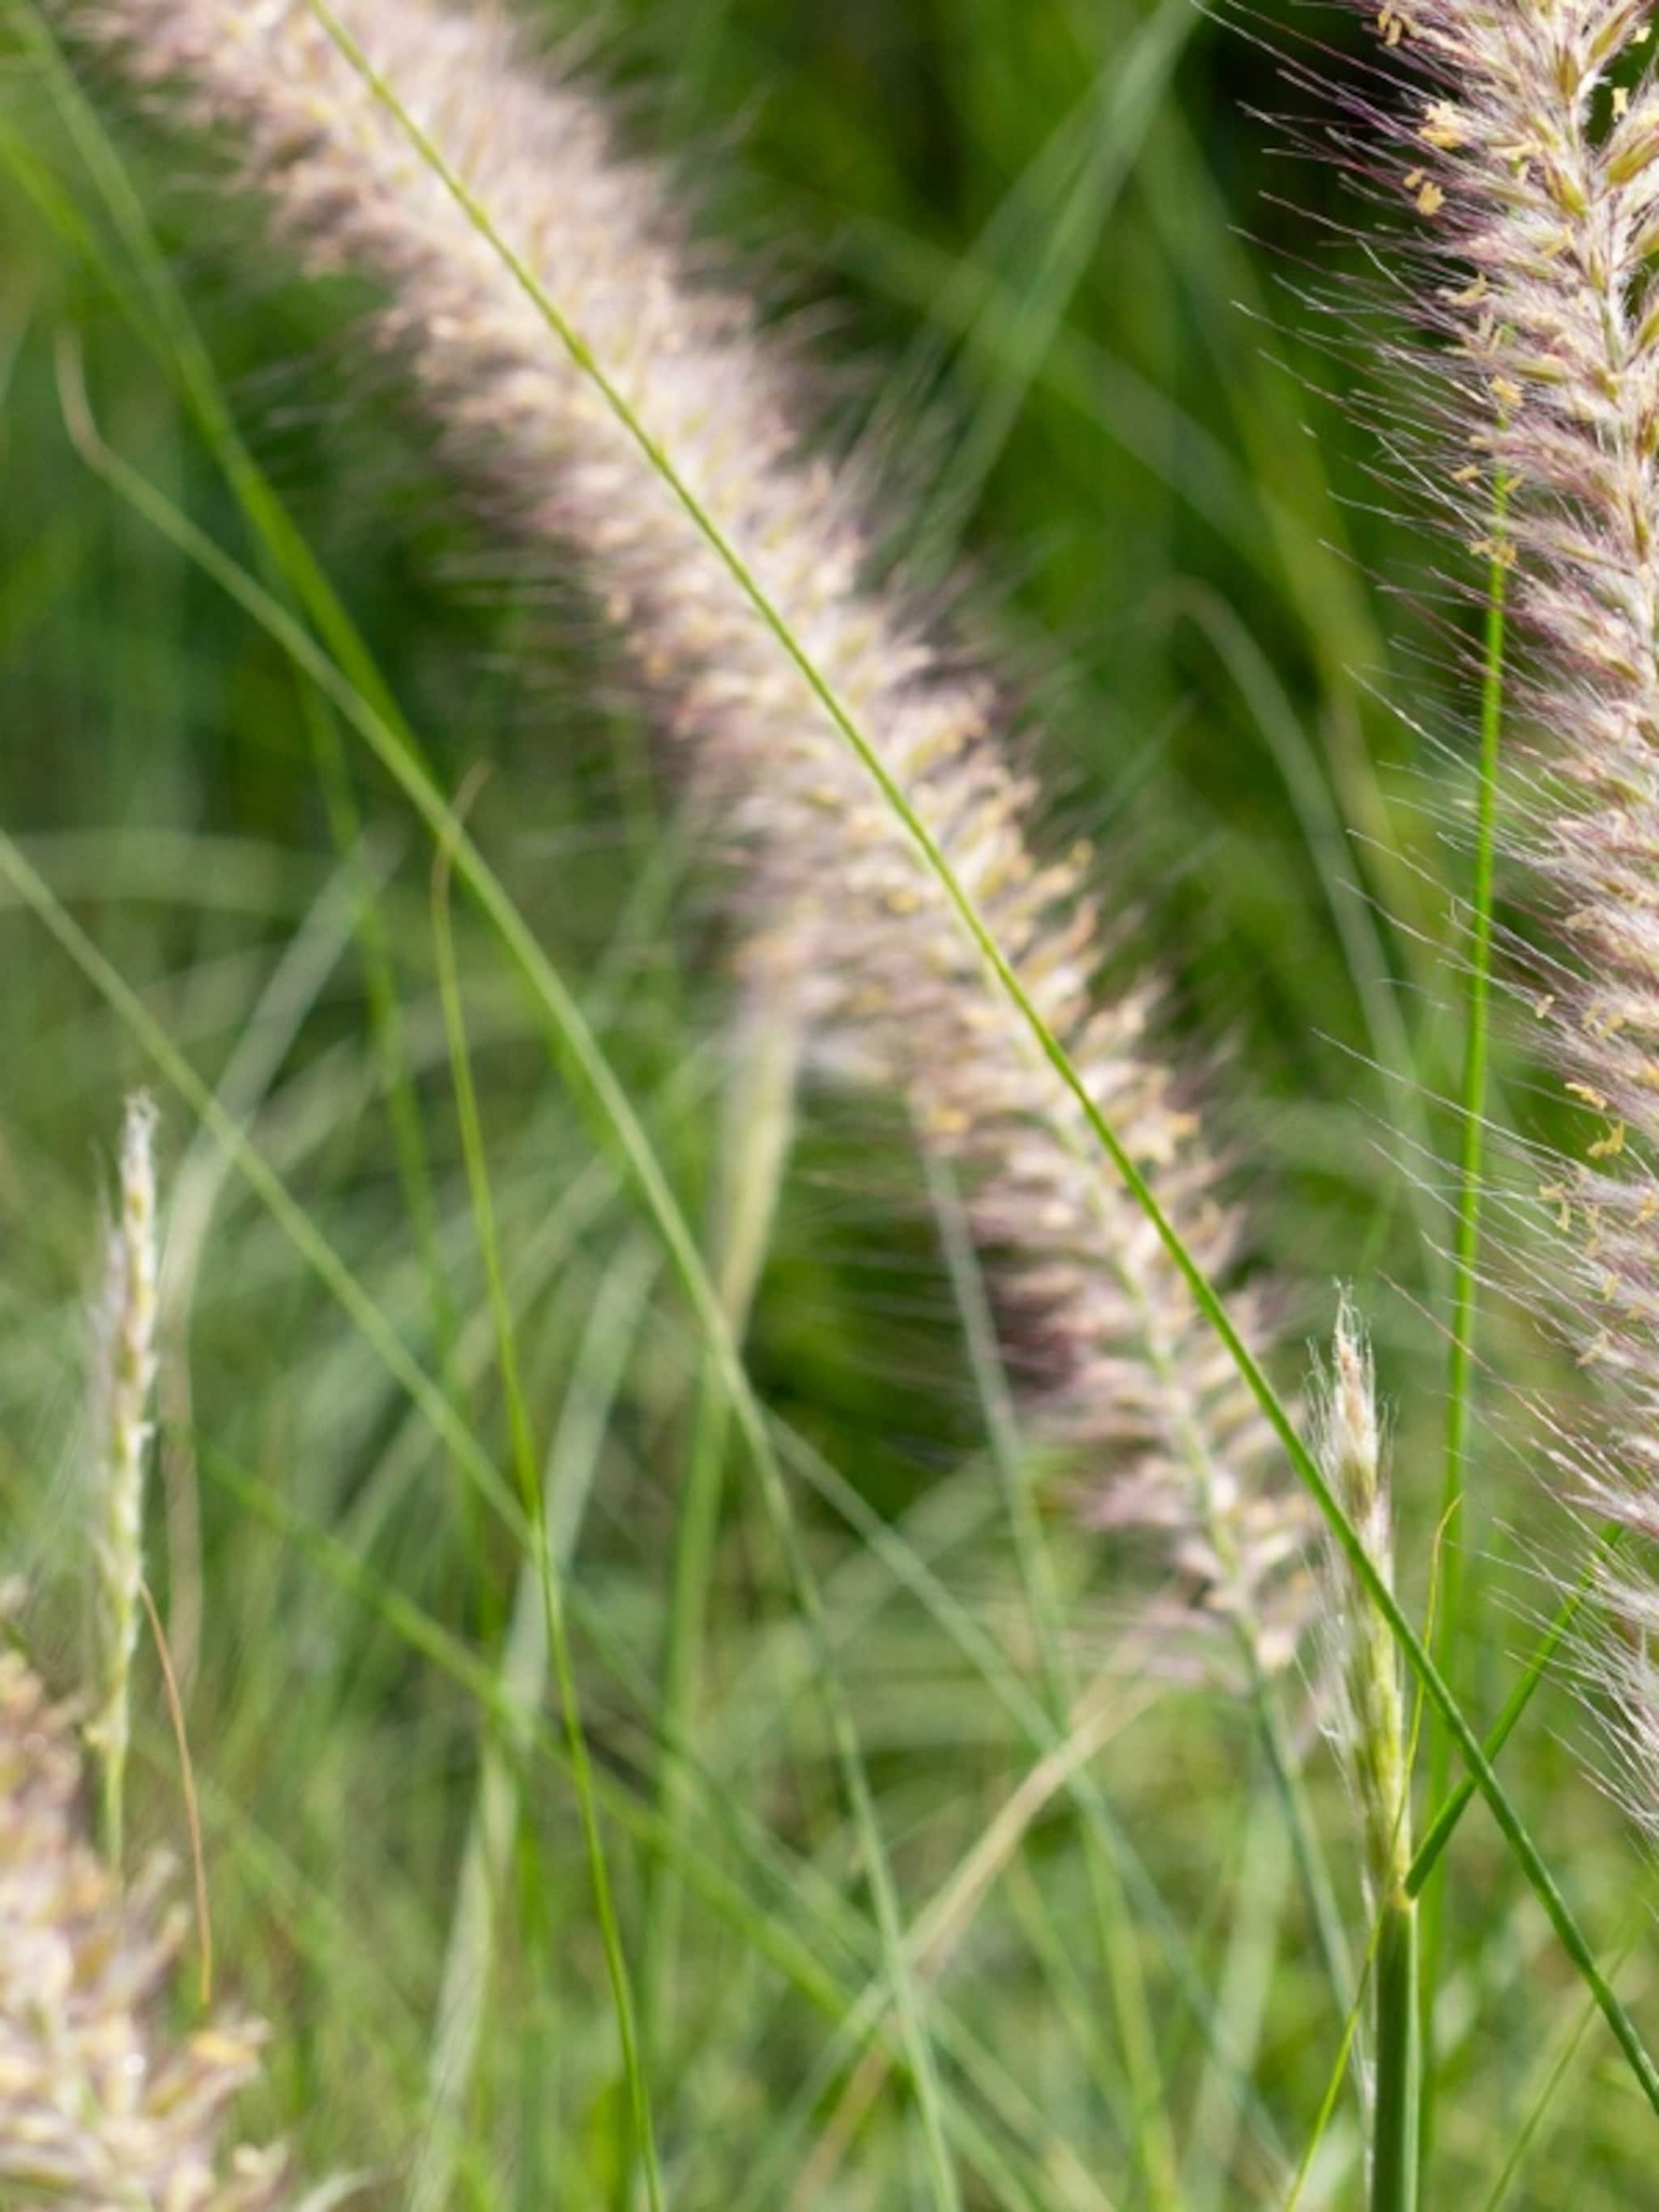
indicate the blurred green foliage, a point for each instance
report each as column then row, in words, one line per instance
column 1050, row 265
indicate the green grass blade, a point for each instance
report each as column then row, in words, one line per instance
column 532, row 1496
column 756, row 1128
column 799, row 1962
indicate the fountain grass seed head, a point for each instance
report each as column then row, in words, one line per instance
column 344, row 121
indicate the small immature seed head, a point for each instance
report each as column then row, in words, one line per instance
column 123, row 1329
column 1350, row 1441
column 1368, row 1723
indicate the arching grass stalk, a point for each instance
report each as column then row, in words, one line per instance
column 1050, row 1051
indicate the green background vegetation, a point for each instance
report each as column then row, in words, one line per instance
column 1051, row 270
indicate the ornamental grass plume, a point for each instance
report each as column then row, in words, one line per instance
column 346, row 121
column 1531, row 151
column 101, row 2106
column 123, row 1370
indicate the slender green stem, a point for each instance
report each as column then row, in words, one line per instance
column 1472, row 1105
column 1450, row 1637
column 385, row 1022
column 1395, row 2118
column 112, row 1837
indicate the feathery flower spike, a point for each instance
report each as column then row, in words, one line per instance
column 1542, row 132
column 124, row 1374
column 844, row 915
column 98, row 2107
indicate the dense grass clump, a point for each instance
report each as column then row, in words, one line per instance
column 724, row 712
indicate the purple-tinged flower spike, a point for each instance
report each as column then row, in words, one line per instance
column 99, row 2108
column 1101, row 1332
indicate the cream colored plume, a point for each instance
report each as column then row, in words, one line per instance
column 1099, row 1330
column 101, row 2104
column 1531, row 146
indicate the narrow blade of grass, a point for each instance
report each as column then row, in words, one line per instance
column 1050, row 1050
